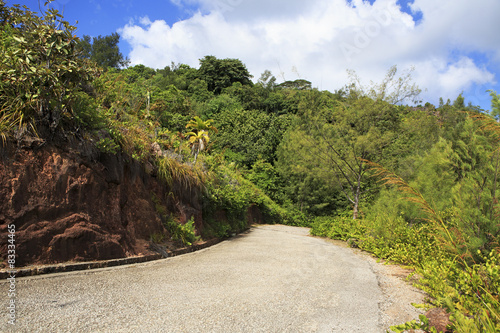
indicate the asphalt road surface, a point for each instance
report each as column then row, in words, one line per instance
column 270, row 279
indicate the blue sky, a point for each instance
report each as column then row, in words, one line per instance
column 97, row 17
column 453, row 46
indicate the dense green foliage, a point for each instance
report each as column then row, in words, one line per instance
column 43, row 79
column 416, row 185
column 442, row 220
column 222, row 73
column 184, row 233
column 103, row 51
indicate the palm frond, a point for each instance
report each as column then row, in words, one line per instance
column 198, row 124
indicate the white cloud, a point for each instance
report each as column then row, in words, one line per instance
column 447, row 80
column 323, row 38
column 462, row 74
column 145, row 21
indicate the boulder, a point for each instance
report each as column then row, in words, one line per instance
column 439, row 319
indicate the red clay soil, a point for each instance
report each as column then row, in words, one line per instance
column 66, row 208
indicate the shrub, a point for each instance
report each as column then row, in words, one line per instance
column 185, row 233
column 215, row 228
column 229, row 191
column 42, row 72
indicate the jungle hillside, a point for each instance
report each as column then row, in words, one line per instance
column 413, row 183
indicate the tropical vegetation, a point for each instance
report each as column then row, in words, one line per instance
column 411, row 182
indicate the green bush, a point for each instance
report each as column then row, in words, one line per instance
column 228, row 191
column 214, row 228
column 42, row 72
column 469, row 292
column 340, row 227
column 185, row 233
column 108, row 145
column 388, row 239
column 87, row 111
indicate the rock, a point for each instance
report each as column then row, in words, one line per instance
column 68, row 208
column 439, row 319
column 160, row 249
column 156, row 150
column 353, row 242
column 84, row 241
column 254, row 215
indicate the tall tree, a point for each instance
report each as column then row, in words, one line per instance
column 392, row 89
column 334, row 141
column 222, row 73
column 495, row 105
column 267, row 80
column 198, row 141
column 197, row 124
column 4, row 13
column 299, row 84
column 103, row 50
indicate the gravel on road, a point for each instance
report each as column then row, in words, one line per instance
column 272, row 278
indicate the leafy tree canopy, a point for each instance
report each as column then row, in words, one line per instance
column 297, row 84
column 495, row 105
column 103, row 50
column 42, row 74
column 222, row 73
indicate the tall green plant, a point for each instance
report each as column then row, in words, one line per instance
column 465, row 281
column 185, row 233
column 333, row 139
column 40, row 68
column 197, row 124
column 174, row 172
column 198, row 142
column 447, row 240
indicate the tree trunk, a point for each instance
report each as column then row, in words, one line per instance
column 356, row 199
column 355, row 209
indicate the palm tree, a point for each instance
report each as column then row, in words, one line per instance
column 198, row 124
column 198, row 142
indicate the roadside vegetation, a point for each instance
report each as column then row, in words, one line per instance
column 411, row 182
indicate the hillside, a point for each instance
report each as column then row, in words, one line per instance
column 99, row 161
column 69, row 207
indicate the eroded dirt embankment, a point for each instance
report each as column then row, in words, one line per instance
column 68, row 206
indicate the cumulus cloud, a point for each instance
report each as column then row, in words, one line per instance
column 319, row 39
column 447, row 80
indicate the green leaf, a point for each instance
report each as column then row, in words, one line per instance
column 18, row 39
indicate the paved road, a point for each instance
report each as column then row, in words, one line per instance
column 271, row 279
